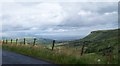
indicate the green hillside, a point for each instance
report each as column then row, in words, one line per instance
column 97, row 37
column 98, row 40
column 101, row 35
column 102, row 39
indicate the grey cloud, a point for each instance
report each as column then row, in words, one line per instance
column 74, row 24
column 6, row 28
column 99, row 8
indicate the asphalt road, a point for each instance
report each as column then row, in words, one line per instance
column 14, row 58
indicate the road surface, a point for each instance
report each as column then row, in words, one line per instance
column 14, row 58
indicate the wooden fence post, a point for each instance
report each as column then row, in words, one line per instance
column 53, row 44
column 82, row 50
column 109, row 52
column 3, row 41
column 34, row 41
column 16, row 41
column 24, row 41
column 110, row 56
column 11, row 41
column 6, row 41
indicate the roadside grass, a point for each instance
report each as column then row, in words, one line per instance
column 60, row 55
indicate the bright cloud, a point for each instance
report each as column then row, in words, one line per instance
column 111, row 13
column 84, row 13
column 39, row 15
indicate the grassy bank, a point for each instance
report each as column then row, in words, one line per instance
column 55, row 56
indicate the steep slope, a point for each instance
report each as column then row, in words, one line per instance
column 99, row 40
column 101, row 35
column 98, row 36
column 103, row 40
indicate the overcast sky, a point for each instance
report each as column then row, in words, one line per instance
column 57, row 19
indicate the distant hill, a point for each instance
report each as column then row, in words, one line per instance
column 101, row 35
column 97, row 36
column 30, row 40
column 98, row 40
column 103, row 40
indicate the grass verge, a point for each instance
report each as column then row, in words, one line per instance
column 40, row 52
